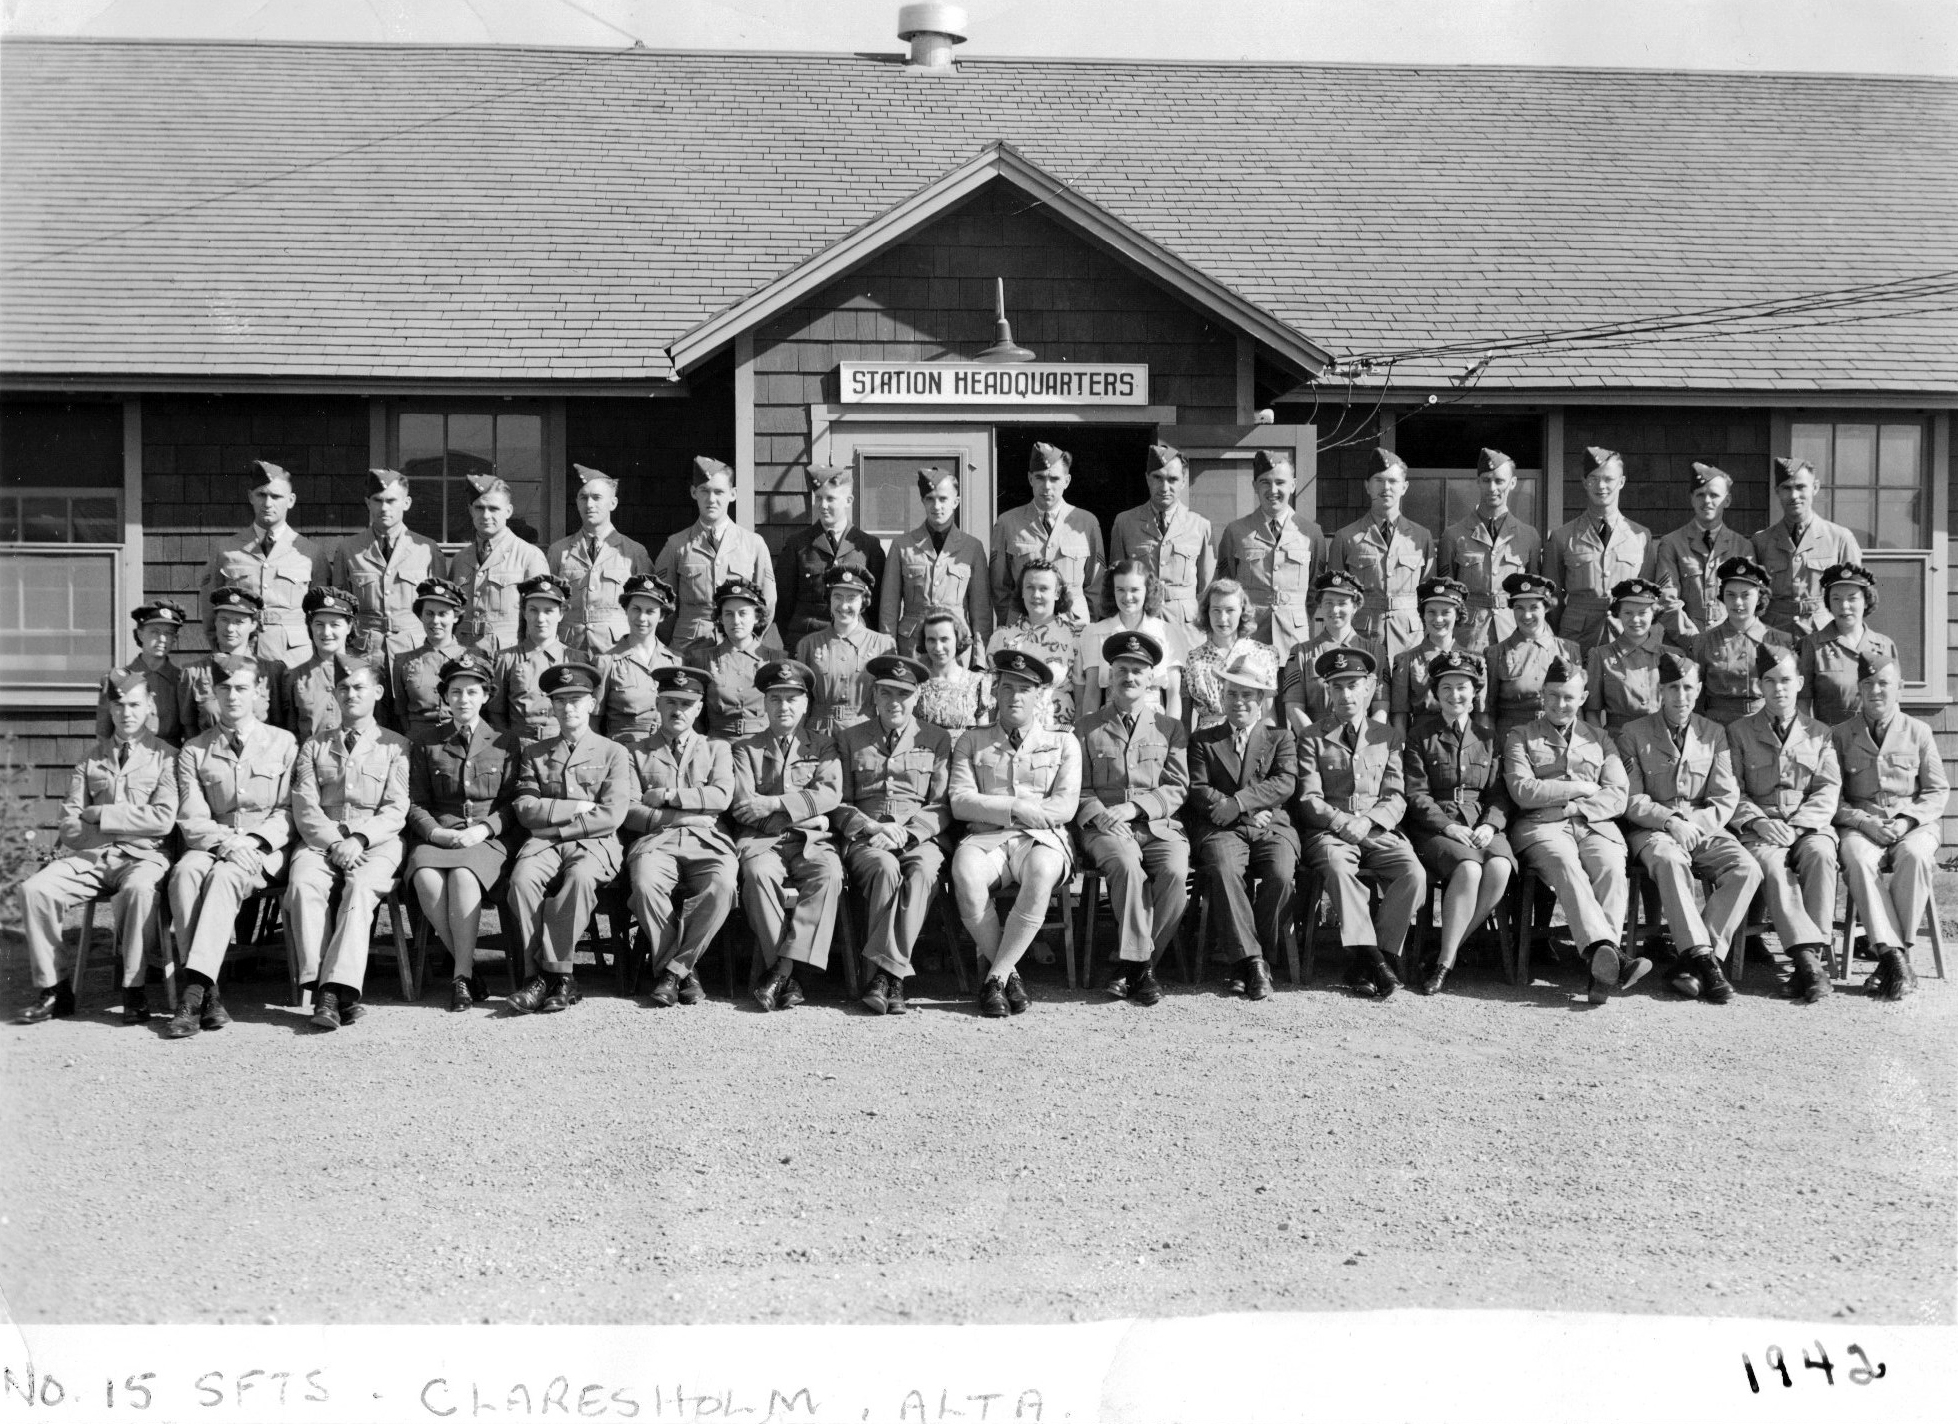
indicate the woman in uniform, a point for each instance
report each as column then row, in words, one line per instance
column 936, row 565
column 732, row 709
column 625, row 671
column 1045, row 623
column 1221, row 614
column 1443, row 604
column 1136, row 595
column 1726, row 653
column 519, row 705
column 417, row 674
column 1517, row 663
column 840, row 654
column 1304, row 696
column 1624, row 670
column 1829, row 654
column 956, row 695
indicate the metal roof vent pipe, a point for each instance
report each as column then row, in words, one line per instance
column 931, row 29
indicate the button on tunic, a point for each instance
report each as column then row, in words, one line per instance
column 696, row 561
column 842, row 694
column 594, row 619
column 386, row 624
column 625, row 691
column 1726, row 656
column 488, row 579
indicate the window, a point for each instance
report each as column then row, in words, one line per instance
column 61, row 531
column 888, row 502
column 1438, row 498
column 439, row 450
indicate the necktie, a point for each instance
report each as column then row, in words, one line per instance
column 237, row 744
column 1709, row 543
column 591, row 548
column 1162, row 525
column 1494, row 526
column 265, row 547
column 1238, row 742
column 1016, row 738
column 1882, row 734
column 1387, row 532
column 350, row 736
column 1128, row 723
column 1350, row 735
column 122, row 754
column 1678, row 739
column 387, row 551
column 1781, row 730
column 1277, row 531
column 1604, row 531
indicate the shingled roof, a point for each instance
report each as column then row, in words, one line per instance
column 192, row 210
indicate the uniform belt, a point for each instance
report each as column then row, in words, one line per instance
column 282, row 618
column 1378, row 601
column 1491, row 599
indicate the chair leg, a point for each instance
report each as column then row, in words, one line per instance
column 1067, row 931
column 846, row 921
column 1937, row 936
column 404, row 967
column 1525, row 914
column 1090, row 903
column 81, row 949
column 294, row 993
column 1203, row 938
column 1848, row 946
column 1506, row 938
column 1307, row 906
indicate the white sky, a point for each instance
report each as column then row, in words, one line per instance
column 1873, row 36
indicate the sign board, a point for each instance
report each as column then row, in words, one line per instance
column 1025, row 383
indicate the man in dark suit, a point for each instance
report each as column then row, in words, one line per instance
column 1242, row 772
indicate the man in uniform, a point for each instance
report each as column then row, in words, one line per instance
column 594, row 564
column 787, row 780
column 233, row 632
column 271, row 561
column 1169, row 537
column 122, row 804
column 1797, row 549
column 1595, row 551
column 830, row 538
column 1790, row 787
column 306, row 701
column 1015, row 786
column 1350, row 805
column 892, row 823
column 1135, row 773
column 382, row 567
column 234, row 784
column 935, row 564
column 349, row 808
column 1273, row 553
column 1047, row 527
column 679, row 848
column 1894, row 793
column 1680, row 795
column 1389, row 555
column 490, row 569
column 572, row 793
column 707, row 554
column 1569, row 787
column 172, row 711
column 1485, row 548
column 1689, row 558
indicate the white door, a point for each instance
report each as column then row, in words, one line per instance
column 887, row 458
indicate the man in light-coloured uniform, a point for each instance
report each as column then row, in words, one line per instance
column 490, row 569
column 936, row 564
column 594, row 563
column 1389, row 555
column 273, row 562
column 1797, row 550
column 382, row 567
column 1048, row 527
column 1689, row 559
column 1486, row 547
column 1595, row 552
column 1273, row 552
column 708, row 553
column 1172, row 539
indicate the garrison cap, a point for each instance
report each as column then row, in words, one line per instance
column 225, row 666
column 1769, row 656
column 1161, row 457
column 738, row 588
column 785, row 675
column 1596, row 458
column 161, row 610
column 1704, row 475
column 127, row 680
column 1852, row 576
column 260, row 473
column 236, row 600
column 1442, row 589
column 1869, row 664
column 1383, row 460
column 895, row 670
column 932, row 476
column 1528, row 585
column 1337, row 663
column 486, row 483
column 1674, row 667
column 706, row 468
column 690, row 682
column 439, row 590
column 1741, row 569
column 324, row 598
column 1027, row 667
column 1489, row 461
column 823, row 476
column 1786, row 467
column 1454, row 662
column 1249, row 670
column 586, row 475
column 1562, row 670
column 345, row 666
column 1337, row 581
column 469, row 663
column 1132, row 646
column 381, row 481
column 1636, row 590
column 652, row 586
column 848, row 574
column 1267, row 462
column 1047, row 457
column 569, row 679
column 546, row 586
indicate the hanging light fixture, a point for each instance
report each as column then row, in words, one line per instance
column 1003, row 349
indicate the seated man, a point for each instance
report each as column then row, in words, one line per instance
column 787, row 780
column 1243, row 772
column 122, row 803
column 892, row 821
column 572, row 794
column 1569, row 786
column 307, row 697
column 234, row 785
column 1350, row 804
column 1893, row 797
column 1680, row 795
column 686, row 780
column 1790, row 787
column 1135, row 772
column 349, row 807
column 1015, row 785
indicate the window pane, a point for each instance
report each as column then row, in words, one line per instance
column 887, row 491
column 473, row 435
column 1220, row 490
column 1899, row 516
column 1856, row 510
column 1897, row 457
column 56, row 617
column 1855, row 456
column 1900, row 610
column 9, row 521
column 526, row 522
column 425, row 514
column 1426, row 501
column 520, row 447
column 1811, row 443
column 59, row 445
column 96, row 521
column 44, row 519
column 422, row 443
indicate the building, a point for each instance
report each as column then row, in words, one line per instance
column 338, row 256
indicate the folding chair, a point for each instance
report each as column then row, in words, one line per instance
column 1202, row 949
column 1091, row 896
column 160, row 950
column 1428, row 918
column 404, row 963
column 1312, row 898
column 1843, row 952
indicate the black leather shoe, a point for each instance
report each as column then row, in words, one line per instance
column 1116, row 981
column 1684, row 980
column 352, row 1011
column 790, row 995
column 1257, row 978
column 1878, row 984
column 1437, row 976
column 666, row 990
column 1017, row 998
column 1810, row 983
column 562, row 995
column 190, row 1008
column 894, row 995
column 326, row 1009
column 55, row 1002
column 992, row 999
column 1715, row 987
column 527, row 999
column 771, row 985
column 1143, row 988
column 1604, row 972
column 135, row 1004
column 1631, row 970
column 875, row 998
column 460, row 998
column 478, row 990
column 1902, row 978
column 1385, row 981
column 214, row 1016
column 690, row 990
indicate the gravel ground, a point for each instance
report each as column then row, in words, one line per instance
column 1489, row 1148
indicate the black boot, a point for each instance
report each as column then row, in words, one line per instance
column 135, row 1004
column 563, row 993
column 771, row 985
column 460, row 999
column 876, row 998
column 1257, row 977
column 1714, row 985
column 214, row 1015
column 326, row 1009
column 527, row 999
column 1901, row 978
column 190, row 1008
column 1810, row 982
column 1143, row 988
column 57, row 1001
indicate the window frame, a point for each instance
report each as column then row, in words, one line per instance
column 553, row 495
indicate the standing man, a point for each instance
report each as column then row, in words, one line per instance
column 1569, row 787
column 892, row 822
column 1172, row 539
column 1790, row 788
column 787, row 781
column 1894, row 794
column 490, row 569
column 1797, row 549
column 382, row 567
column 594, row 564
column 306, row 701
column 1389, row 555
column 1273, row 553
column 707, row 554
column 349, row 807
column 1595, row 551
column 1681, row 793
column 121, row 806
column 936, row 564
column 271, row 561
column 1689, row 558
column 1243, row 772
column 234, row 785
column 572, row 793
column 831, row 538
column 172, row 709
column 1484, row 549
column 1048, row 528
column 679, row 848
column 1135, row 773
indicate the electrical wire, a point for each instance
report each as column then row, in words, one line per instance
column 1366, row 429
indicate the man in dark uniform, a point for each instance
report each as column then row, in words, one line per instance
column 1389, row 555
column 1486, row 547
column 594, row 564
column 382, row 566
column 171, row 706
column 831, row 538
column 1049, row 528
column 892, row 822
column 306, row 699
column 1596, row 551
column 1170, row 538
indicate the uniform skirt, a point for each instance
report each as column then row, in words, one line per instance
column 484, row 861
column 1441, row 854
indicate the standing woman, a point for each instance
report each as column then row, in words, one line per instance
column 625, row 672
column 460, row 784
column 956, row 695
column 1829, row 654
column 840, row 653
column 519, row 705
column 1221, row 615
column 936, row 565
column 419, row 707
column 1443, row 605
column 1519, row 663
column 1624, row 670
column 732, row 708
column 1044, row 622
column 1728, row 652
column 1136, row 595
column 1303, row 695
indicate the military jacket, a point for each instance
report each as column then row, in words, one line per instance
column 415, row 689
column 1389, row 573
column 1797, row 779
column 1726, row 656
column 783, row 786
column 808, row 554
column 1586, row 567
column 1276, row 574
column 626, row 706
column 518, row 704
column 1148, row 768
column 1070, row 540
column 175, row 716
column 683, row 789
column 268, row 698
column 223, row 790
column 990, row 776
column 1453, row 778
column 1795, row 568
column 1829, row 681
column 594, row 619
column 696, row 562
column 1334, row 781
column 1548, row 768
column 1623, row 678
column 1466, row 552
column 453, row 786
column 386, row 625
column 557, row 773
column 1182, row 556
column 493, row 619
column 842, row 695
column 1304, row 697
column 306, row 704
column 138, row 797
column 732, row 708
column 280, row 581
column 1410, row 694
column 1688, row 564
column 1904, row 776
column 896, row 783
column 1517, row 666
column 1263, row 779
column 1664, row 779
column 339, row 792
column 919, row 574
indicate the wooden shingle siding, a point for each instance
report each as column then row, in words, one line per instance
column 648, row 446
column 47, row 745
column 1660, row 445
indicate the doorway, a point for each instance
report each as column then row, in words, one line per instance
column 1108, row 461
